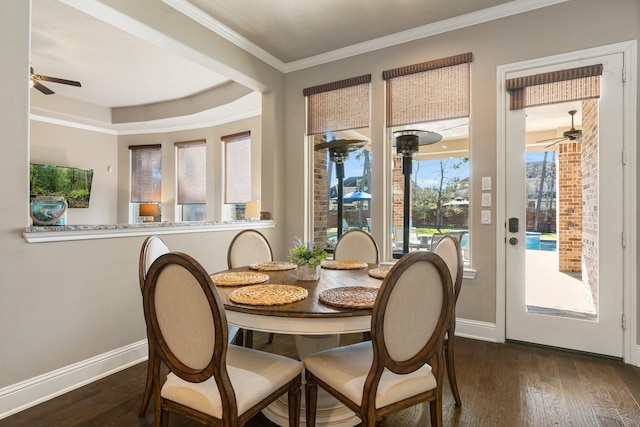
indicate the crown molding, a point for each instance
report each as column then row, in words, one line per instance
column 496, row 12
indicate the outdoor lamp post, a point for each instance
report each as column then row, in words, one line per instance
column 339, row 150
column 407, row 144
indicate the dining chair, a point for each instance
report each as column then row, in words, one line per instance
column 209, row 380
column 402, row 365
column 357, row 245
column 450, row 251
column 248, row 247
column 152, row 248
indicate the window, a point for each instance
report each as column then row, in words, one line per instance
column 191, row 163
column 338, row 129
column 428, row 103
column 237, row 174
column 146, row 181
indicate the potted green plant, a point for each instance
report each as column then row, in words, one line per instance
column 308, row 259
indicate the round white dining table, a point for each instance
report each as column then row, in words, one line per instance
column 316, row 325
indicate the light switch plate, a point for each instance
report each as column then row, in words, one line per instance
column 486, row 216
column 486, row 183
column 486, row 200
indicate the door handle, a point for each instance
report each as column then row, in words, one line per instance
column 513, row 241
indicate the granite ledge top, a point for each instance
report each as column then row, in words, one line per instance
column 100, row 227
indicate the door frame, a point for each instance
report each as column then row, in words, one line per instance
column 631, row 352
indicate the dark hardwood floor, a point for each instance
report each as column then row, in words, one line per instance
column 500, row 385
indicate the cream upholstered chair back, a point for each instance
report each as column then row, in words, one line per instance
column 208, row 380
column 357, row 245
column 152, row 248
column 402, row 365
column 449, row 249
column 417, row 291
column 185, row 317
column 247, row 247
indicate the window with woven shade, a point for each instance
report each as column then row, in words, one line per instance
column 555, row 87
column 339, row 111
column 237, row 174
column 146, row 179
column 431, row 99
column 191, row 180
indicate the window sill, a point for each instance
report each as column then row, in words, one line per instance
column 42, row 234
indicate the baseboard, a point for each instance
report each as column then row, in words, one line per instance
column 477, row 330
column 28, row 393
column 638, row 355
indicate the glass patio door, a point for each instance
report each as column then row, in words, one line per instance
column 564, row 204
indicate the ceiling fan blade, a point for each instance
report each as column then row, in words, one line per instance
column 57, row 80
column 554, row 143
column 552, row 139
column 42, row 88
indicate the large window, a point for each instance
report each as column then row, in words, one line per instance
column 338, row 129
column 191, row 181
column 237, row 174
column 428, row 124
column 146, row 182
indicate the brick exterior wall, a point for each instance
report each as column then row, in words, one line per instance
column 570, row 206
column 590, row 196
column 320, row 194
column 398, row 198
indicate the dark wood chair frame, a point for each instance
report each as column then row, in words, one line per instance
column 449, row 341
column 217, row 366
column 142, row 275
column 432, row 353
column 246, row 336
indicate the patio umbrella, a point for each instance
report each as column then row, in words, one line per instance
column 356, row 195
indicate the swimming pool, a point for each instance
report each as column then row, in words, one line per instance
column 537, row 243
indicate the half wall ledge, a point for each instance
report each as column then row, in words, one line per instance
column 61, row 233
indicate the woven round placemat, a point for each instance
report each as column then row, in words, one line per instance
column 343, row 264
column 268, row 294
column 272, row 266
column 238, row 278
column 350, row 297
column 379, row 272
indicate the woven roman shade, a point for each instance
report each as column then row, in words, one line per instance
column 340, row 105
column 192, row 172
column 146, row 173
column 237, row 168
column 554, row 87
column 429, row 91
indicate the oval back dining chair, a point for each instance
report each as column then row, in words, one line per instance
column 209, row 380
column 248, row 247
column 450, row 251
column 357, row 245
column 152, row 248
column 402, row 365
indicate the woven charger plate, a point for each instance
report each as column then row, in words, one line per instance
column 342, row 264
column 272, row 266
column 379, row 273
column 268, row 294
column 350, row 297
column 238, row 278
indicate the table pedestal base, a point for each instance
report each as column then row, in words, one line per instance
column 329, row 410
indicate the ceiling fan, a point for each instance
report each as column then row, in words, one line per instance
column 572, row 134
column 35, row 78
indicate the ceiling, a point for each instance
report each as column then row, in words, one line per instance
column 118, row 69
